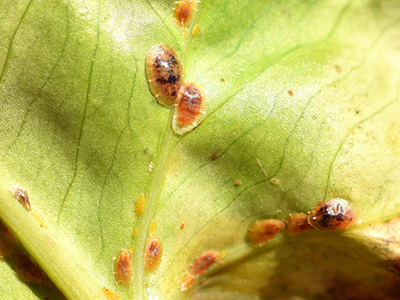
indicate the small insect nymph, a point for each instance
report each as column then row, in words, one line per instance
column 164, row 73
column 111, row 295
column 123, row 268
column 152, row 257
column 333, row 214
column 184, row 11
column 21, row 195
column 264, row 230
column 297, row 223
column 186, row 282
column 190, row 108
column 203, row 262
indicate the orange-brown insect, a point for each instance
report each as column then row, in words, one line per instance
column 186, row 282
column 123, row 268
column 263, row 231
column 203, row 262
column 111, row 295
column 28, row 271
column 21, row 195
column 333, row 214
column 183, row 225
column 297, row 223
column 238, row 182
column 164, row 73
column 290, row 93
column 190, row 108
column 152, row 256
column 184, row 11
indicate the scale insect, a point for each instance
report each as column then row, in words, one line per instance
column 164, row 73
column 190, row 108
column 333, row 214
column 264, row 230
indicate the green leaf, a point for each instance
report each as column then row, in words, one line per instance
column 80, row 127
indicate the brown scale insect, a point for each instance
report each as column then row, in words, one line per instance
column 190, row 108
column 123, row 268
column 111, row 295
column 264, row 230
column 21, row 194
column 184, row 11
column 203, row 262
column 164, row 73
column 153, row 253
column 333, row 214
column 297, row 223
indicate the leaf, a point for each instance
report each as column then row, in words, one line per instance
column 303, row 106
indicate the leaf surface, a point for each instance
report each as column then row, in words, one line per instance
column 303, row 106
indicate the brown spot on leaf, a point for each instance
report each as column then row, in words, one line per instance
column 6, row 249
column 28, row 271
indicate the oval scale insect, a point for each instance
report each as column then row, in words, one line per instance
column 297, row 223
column 164, row 73
column 190, row 108
column 184, row 12
column 123, row 268
column 203, row 262
column 264, row 230
column 152, row 257
column 333, row 214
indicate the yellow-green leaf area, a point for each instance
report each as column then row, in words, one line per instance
column 303, row 106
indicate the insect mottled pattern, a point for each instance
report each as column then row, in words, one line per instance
column 203, row 262
column 264, row 230
column 21, row 195
column 153, row 253
column 164, row 73
column 184, row 11
column 190, row 108
column 123, row 268
column 333, row 214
